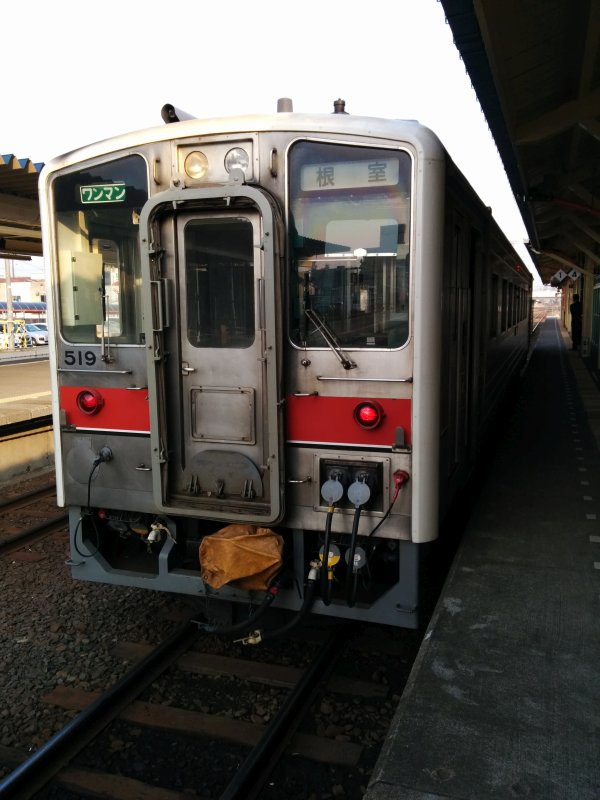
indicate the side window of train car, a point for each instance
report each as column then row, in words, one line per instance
column 494, row 306
column 97, row 213
column 349, row 244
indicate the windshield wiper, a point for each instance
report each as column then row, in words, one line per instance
column 330, row 337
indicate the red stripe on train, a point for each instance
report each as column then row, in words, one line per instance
column 331, row 420
column 123, row 409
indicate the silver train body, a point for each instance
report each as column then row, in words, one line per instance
column 297, row 323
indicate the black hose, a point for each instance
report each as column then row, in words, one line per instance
column 248, row 623
column 352, row 588
column 379, row 524
column 352, row 576
column 87, row 512
column 326, row 582
column 95, row 466
column 400, row 477
column 79, row 527
column 309, row 595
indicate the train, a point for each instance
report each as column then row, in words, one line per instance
column 278, row 341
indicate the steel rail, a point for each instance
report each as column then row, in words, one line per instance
column 23, row 498
column 33, row 532
column 38, row 770
column 255, row 770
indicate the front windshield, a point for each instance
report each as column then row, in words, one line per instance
column 99, row 273
column 349, row 230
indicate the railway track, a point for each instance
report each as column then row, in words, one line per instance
column 26, row 446
column 195, row 730
column 36, row 772
column 244, row 755
column 29, row 516
column 16, row 501
column 539, row 315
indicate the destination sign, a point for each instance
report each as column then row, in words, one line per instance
column 103, row 193
column 350, row 174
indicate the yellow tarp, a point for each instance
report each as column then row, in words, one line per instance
column 244, row 554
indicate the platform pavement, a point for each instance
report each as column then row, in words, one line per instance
column 8, row 356
column 504, row 698
column 24, row 385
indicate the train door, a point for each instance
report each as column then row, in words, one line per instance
column 215, row 401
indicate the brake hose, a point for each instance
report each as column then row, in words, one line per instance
column 326, row 573
column 400, row 478
column 331, row 491
column 241, row 627
column 309, row 595
column 352, row 576
column 358, row 494
column 257, row 636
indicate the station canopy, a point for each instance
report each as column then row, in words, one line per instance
column 20, row 233
column 535, row 68
column 20, row 307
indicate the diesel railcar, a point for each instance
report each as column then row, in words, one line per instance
column 277, row 342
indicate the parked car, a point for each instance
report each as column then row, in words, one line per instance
column 22, row 337
column 37, row 333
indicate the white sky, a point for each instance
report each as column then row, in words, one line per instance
column 97, row 70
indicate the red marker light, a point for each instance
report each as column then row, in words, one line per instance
column 89, row 401
column 368, row 414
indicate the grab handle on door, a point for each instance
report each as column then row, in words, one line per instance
column 159, row 289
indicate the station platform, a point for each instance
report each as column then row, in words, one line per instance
column 26, row 433
column 24, row 385
column 20, row 355
column 504, row 697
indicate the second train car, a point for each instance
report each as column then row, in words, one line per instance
column 278, row 341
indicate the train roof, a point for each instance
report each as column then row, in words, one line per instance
column 341, row 124
column 336, row 123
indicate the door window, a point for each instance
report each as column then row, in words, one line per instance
column 219, row 257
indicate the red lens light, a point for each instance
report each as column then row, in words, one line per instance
column 89, row 401
column 368, row 414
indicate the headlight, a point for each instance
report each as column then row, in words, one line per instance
column 196, row 165
column 237, row 157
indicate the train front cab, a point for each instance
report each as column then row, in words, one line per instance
column 279, row 383
column 259, row 410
